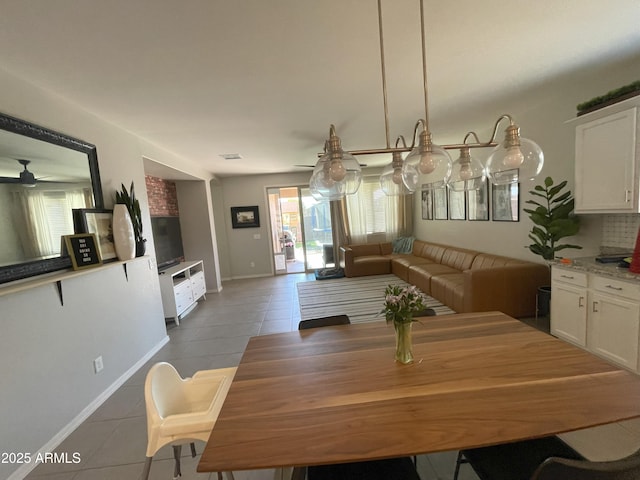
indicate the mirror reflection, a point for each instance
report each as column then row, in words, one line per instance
column 43, row 177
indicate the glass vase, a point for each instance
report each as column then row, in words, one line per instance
column 404, row 354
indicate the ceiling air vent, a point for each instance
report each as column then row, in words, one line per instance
column 231, row 156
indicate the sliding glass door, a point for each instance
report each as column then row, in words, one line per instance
column 300, row 230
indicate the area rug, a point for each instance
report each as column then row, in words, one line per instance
column 360, row 298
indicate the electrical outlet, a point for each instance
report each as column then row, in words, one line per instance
column 98, row 365
column 252, row 264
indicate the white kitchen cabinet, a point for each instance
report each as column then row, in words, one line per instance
column 614, row 320
column 599, row 313
column 181, row 286
column 606, row 159
column 569, row 305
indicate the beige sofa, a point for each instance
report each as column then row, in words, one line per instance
column 464, row 280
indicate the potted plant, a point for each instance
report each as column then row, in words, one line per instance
column 553, row 219
column 129, row 199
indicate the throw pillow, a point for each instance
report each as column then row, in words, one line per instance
column 403, row 245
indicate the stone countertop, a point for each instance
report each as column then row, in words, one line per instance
column 590, row 265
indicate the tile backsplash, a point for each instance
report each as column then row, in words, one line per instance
column 620, row 231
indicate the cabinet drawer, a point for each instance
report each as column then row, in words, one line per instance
column 572, row 277
column 616, row 287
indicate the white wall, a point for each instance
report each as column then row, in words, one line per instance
column 47, row 349
column 541, row 114
column 241, row 248
column 198, row 229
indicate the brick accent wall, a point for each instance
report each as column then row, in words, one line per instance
column 162, row 196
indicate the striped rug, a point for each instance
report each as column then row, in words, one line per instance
column 361, row 298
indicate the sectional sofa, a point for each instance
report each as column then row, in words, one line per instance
column 464, row 280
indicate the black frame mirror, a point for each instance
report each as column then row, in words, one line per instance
column 29, row 268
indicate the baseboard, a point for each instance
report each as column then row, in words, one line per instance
column 59, row 437
column 242, row 277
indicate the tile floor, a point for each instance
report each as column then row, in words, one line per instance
column 112, row 442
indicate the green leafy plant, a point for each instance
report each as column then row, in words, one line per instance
column 553, row 218
column 129, row 199
column 621, row 92
column 400, row 303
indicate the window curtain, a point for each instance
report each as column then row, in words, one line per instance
column 41, row 218
column 30, row 217
column 372, row 214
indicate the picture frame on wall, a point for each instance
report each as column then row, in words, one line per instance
column 427, row 203
column 245, row 217
column 440, row 210
column 505, row 203
column 457, row 205
column 478, row 203
column 100, row 223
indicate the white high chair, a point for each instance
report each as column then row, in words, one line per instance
column 182, row 410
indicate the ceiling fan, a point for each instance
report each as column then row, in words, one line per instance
column 362, row 165
column 26, row 178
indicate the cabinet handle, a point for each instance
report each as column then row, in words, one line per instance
column 594, row 307
column 570, row 277
column 627, row 196
column 614, row 288
column 580, row 300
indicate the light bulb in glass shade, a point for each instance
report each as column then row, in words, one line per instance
column 467, row 174
column 515, row 163
column 514, row 157
column 427, row 163
column 337, row 170
column 465, row 171
column 397, row 176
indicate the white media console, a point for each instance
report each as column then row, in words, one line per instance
column 181, row 286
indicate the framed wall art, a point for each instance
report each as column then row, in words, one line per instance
column 245, row 217
column 505, row 203
column 427, row 204
column 98, row 222
column 457, row 207
column 440, row 211
column 478, row 203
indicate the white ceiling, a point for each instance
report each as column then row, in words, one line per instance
column 266, row 78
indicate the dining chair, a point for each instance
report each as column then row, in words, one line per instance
column 401, row 468
column 547, row 458
column 627, row 468
column 182, row 410
column 324, row 322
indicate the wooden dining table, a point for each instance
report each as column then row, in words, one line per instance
column 335, row 394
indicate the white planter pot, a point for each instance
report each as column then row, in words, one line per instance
column 123, row 237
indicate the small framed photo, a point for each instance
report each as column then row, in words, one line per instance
column 505, row 203
column 478, row 203
column 83, row 250
column 457, row 207
column 440, row 211
column 427, row 204
column 245, row 217
column 100, row 223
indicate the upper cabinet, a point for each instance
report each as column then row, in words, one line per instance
column 607, row 156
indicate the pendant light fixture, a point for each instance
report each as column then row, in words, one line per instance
column 337, row 172
column 467, row 173
column 428, row 166
column 393, row 174
column 515, row 159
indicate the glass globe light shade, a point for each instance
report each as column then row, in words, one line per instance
column 336, row 175
column 467, row 173
column 425, row 165
column 513, row 163
column 392, row 181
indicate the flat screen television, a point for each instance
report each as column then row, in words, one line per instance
column 167, row 241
